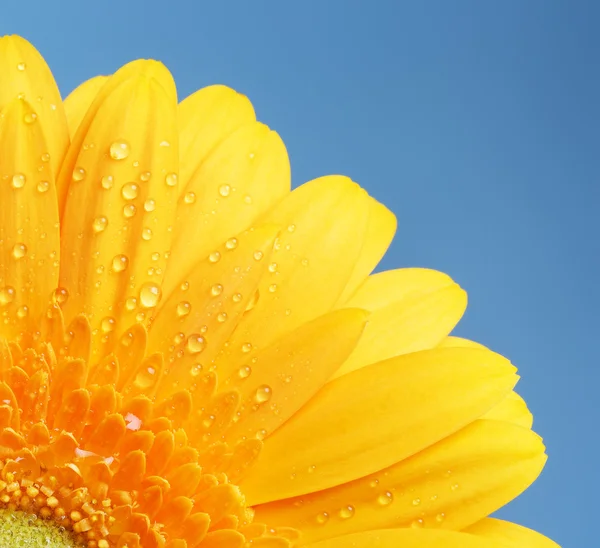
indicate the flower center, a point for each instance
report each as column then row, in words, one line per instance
column 22, row 529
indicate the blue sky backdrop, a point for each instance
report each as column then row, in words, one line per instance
column 476, row 122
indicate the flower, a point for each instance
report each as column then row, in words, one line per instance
column 191, row 355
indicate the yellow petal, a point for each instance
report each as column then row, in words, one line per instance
column 371, row 418
column 449, row 485
column 511, row 409
column 240, row 179
column 277, row 381
column 452, row 342
column 407, row 538
column 199, row 316
column 323, row 227
column 29, row 245
column 381, row 228
column 25, row 74
column 121, row 201
column 509, row 535
column 80, row 99
column 412, row 309
column 206, row 118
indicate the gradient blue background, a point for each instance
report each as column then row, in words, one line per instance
column 477, row 122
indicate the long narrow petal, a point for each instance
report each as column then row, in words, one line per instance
column 278, row 381
column 412, row 309
column 311, row 264
column 449, row 485
column 242, row 178
column 371, row 418
column 26, row 75
column 206, row 118
column 407, row 538
column 79, row 101
column 121, row 200
column 29, row 241
column 509, row 535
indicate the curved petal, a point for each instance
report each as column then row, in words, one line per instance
column 79, row 100
column 371, row 418
column 244, row 176
column 406, row 538
column 206, row 118
column 453, row 342
column 449, row 485
column 26, row 75
column 309, row 267
column 412, row 309
column 117, row 228
column 29, row 241
column 511, row 409
column 509, row 535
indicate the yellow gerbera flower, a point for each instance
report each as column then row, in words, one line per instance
column 191, row 355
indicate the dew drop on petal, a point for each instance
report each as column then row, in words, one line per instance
column 7, row 295
column 21, row 66
column 119, row 263
column 322, row 518
column 107, row 182
column 440, row 517
column 119, row 150
column 130, row 191
column 385, row 498
column 129, row 211
column 45, row 157
column 149, row 205
column 145, row 176
column 236, row 298
column 146, row 234
column 258, row 255
column 346, row 512
column 224, row 190
column 244, row 372
column 107, row 324
column 100, row 224
column 22, row 312
column 196, row 343
column 78, row 174
column 131, row 303
column 150, row 294
column 231, row 243
column 171, row 179
column 189, row 198
column 214, row 257
column 216, row 290
column 18, row 180
column 183, row 309
column 43, row 186
column 60, row 295
column 19, row 250
column 263, row 394
column 30, row 118
column 222, row 317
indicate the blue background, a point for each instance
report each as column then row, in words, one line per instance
column 475, row 121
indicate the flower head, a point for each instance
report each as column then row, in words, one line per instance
column 191, row 355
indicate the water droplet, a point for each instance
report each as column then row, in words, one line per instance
column 416, row 502
column 149, row 205
column 78, row 174
column 385, row 498
column 244, row 372
column 189, row 198
column 120, row 263
column 146, row 234
column 19, row 250
column 247, row 199
column 263, row 394
column 417, row 523
column 258, row 255
column 214, row 257
column 60, row 295
column 7, row 295
column 30, row 118
column 18, row 180
column 185, row 286
column 22, row 312
column 291, row 228
column 131, row 303
column 21, row 66
column 183, row 309
column 171, row 179
column 222, row 317
column 224, row 190
column 119, row 150
column 231, row 243
column 246, row 347
column 100, row 224
column 454, row 487
column 346, row 512
column 150, row 294
column 440, row 517
column 145, row 176
column 273, row 267
column 107, row 182
column 273, row 288
column 322, row 518
column 261, row 434
column 195, row 369
column 237, row 297
column 196, row 343
column 216, row 290
column 130, row 191
column 43, row 186
column 129, row 210
column 45, row 157
column 107, row 324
